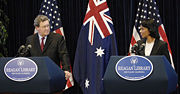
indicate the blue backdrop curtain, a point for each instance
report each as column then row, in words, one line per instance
column 23, row 12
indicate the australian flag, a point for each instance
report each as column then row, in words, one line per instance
column 96, row 44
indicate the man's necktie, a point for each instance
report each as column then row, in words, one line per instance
column 42, row 43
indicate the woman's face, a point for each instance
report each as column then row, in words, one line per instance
column 144, row 32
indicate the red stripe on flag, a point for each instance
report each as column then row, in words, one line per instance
column 164, row 37
column 133, row 41
column 92, row 32
column 59, row 31
column 69, row 83
column 107, row 17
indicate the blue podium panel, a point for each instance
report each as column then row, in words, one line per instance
column 162, row 80
column 49, row 78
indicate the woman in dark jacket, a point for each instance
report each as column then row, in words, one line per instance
column 150, row 44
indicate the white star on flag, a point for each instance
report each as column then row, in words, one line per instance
column 99, row 52
column 87, row 83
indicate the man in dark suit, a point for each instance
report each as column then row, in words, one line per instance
column 48, row 44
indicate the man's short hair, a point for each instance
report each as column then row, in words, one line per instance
column 40, row 18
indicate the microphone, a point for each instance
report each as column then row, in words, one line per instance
column 25, row 50
column 142, row 46
column 134, row 49
column 28, row 47
column 21, row 48
column 137, row 48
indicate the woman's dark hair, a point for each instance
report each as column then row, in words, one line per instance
column 152, row 27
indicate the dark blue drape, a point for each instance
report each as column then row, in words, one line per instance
column 23, row 12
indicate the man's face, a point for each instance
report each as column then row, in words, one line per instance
column 44, row 28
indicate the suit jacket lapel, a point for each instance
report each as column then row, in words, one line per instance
column 37, row 43
column 155, row 47
column 142, row 52
column 48, row 41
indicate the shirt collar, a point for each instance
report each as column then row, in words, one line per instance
column 40, row 37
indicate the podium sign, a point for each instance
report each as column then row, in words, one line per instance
column 134, row 68
column 162, row 80
column 20, row 69
column 49, row 78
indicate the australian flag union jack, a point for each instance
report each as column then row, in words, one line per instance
column 96, row 44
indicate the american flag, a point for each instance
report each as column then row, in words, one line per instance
column 147, row 9
column 51, row 10
column 96, row 44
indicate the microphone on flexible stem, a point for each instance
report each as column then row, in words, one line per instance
column 25, row 51
column 21, row 48
column 142, row 46
column 134, row 49
column 28, row 47
column 137, row 48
